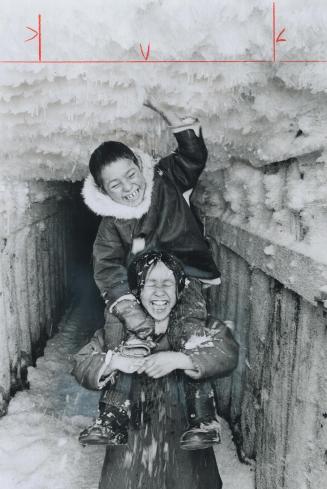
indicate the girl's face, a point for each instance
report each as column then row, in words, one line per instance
column 124, row 182
column 158, row 295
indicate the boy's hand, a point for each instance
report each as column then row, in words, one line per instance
column 168, row 115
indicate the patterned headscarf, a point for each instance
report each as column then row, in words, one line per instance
column 143, row 263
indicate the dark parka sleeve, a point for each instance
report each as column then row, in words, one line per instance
column 90, row 362
column 213, row 351
column 110, row 272
column 186, row 163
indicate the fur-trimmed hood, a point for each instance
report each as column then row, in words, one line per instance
column 103, row 205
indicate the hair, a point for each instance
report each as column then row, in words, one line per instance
column 107, row 153
column 143, row 263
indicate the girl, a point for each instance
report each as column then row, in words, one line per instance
column 152, row 458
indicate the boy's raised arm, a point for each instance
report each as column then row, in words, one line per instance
column 186, row 163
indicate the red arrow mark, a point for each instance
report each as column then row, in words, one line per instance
column 145, row 56
column 279, row 38
column 33, row 37
column 37, row 33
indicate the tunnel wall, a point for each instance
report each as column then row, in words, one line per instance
column 36, row 251
column 273, row 272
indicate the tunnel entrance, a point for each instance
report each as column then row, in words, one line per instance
column 46, row 266
column 85, row 226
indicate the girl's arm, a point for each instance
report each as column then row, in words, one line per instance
column 163, row 363
column 211, row 353
column 90, row 362
column 94, row 367
column 214, row 353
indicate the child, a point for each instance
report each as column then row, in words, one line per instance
column 207, row 353
column 143, row 208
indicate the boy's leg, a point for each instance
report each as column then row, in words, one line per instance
column 204, row 428
column 189, row 316
column 117, row 393
column 110, row 427
column 114, row 332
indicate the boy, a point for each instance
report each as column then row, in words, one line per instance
column 143, row 208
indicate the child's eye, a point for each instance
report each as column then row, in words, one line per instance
column 131, row 175
column 115, row 186
column 149, row 284
column 169, row 284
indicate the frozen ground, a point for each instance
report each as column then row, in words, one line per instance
column 39, row 448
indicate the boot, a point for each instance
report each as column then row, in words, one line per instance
column 204, row 429
column 110, row 428
column 201, row 436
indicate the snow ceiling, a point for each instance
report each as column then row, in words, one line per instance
column 53, row 115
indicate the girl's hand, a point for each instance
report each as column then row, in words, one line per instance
column 128, row 365
column 163, row 363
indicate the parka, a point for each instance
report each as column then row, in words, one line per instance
column 163, row 221
column 213, row 351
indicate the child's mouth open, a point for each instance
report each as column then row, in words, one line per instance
column 133, row 196
column 159, row 306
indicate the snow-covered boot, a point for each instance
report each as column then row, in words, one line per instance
column 204, row 428
column 201, row 436
column 110, row 428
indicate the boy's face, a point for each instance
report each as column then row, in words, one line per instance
column 124, row 182
column 158, row 295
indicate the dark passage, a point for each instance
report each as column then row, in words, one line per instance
column 85, row 293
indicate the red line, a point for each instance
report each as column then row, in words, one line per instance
column 274, row 31
column 303, row 61
column 138, row 61
column 202, row 61
column 40, row 38
column 217, row 61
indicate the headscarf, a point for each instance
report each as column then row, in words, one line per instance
column 144, row 262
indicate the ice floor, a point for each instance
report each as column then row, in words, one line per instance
column 38, row 437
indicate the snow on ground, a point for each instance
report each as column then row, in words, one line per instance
column 234, row 474
column 39, row 447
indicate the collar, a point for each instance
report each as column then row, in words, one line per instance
column 103, row 205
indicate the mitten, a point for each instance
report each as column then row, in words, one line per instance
column 136, row 347
column 134, row 318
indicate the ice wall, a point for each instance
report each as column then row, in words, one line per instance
column 53, row 115
column 36, row 240
column 253, row 114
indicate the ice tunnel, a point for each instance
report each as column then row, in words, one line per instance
column 262, row 199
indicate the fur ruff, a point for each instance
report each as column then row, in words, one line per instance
column 103, row 205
